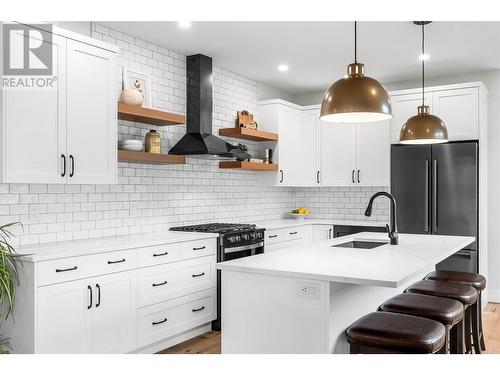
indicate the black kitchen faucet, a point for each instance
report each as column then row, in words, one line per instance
column 393, row 230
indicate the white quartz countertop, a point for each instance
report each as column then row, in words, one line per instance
column 64, row 249
column 292, row 222
column 386, row 265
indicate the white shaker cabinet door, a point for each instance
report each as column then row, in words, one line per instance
column 309, row 149
column 115, row 313
column 91, row 114
column 373, row 154
column 459, row 110
column 322, row 232
column 403, row 107
column 34, row 127
column 64, row 318
column 338, row 154
column 289, row 146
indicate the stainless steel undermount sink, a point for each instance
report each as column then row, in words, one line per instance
column 361, row 244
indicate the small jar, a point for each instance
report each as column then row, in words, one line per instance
column 152, row 143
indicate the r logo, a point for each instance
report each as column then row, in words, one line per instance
column 27, row 49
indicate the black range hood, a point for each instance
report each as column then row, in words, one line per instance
column 199, row 140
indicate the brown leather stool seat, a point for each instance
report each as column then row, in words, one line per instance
column 465, row 294
column 384, row 332
column 444, row 310
column 475, row 280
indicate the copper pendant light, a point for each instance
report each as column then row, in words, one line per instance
column 423, row 128
column 356, row 98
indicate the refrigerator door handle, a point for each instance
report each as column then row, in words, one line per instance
column 426, row 208
column 434, row 195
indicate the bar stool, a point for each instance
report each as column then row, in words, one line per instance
column 478, row 282
column 462, row 293
column 382, row 332
column 444, row 310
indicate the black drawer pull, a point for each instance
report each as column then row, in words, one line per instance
column 198, row 248
column 201, row 308
column 273, row 236
column 293, row 233
column 116, row 261
column 198, row 274
column 160, row 322
column 160, row 254
column 160, row 284
column 66, row 269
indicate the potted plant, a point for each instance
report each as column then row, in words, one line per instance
column 9, row 279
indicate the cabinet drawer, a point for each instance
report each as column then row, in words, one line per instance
column 167, row 319
column 275, row 235
column 293, row 233
column 167, row 281
column 115, row 261
column 200, row 248
column 160, row 254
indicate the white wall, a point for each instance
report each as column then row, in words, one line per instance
column 269, row 92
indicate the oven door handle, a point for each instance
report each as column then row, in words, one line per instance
column 229, row 250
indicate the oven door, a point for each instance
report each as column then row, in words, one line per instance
column 236, row 252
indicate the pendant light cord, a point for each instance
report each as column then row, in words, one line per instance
column 355, row 42
column 423, row 64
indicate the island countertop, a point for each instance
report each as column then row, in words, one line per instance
column 386, row 265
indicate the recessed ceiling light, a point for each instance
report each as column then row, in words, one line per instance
column 184, row 24
column 283, row 67
column 424, row 56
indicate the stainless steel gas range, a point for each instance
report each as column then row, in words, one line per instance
column 235, row 241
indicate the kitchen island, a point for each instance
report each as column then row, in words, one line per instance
column 301, row 299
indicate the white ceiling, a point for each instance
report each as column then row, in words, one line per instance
column 318, row 52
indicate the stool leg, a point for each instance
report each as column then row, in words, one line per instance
column 457, row 338
column 480, row 315
column 475, row 327
column 467, row 331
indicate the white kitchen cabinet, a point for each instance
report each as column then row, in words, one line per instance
column 321, row 232
column 457, row 105
column 309, row 150
column 373, row 154
column 91, row 114
column 34, row 125
column 285, row 119
column 114, row 328
column 67, row 133
column 64, row 318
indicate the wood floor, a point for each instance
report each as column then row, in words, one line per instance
column 209, row 343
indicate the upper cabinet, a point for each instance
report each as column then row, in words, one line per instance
column 457, row 105
column 65, row 133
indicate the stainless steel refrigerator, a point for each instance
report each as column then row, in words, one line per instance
column 436, row 190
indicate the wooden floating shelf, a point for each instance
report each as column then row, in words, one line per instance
column 249, row 134
column 246, row 165
column 149, row 115
column 146, row 157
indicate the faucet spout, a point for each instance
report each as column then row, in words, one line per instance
column 393, row 229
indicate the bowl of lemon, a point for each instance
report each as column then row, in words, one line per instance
column 300, row 213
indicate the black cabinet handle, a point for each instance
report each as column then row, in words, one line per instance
column 317, row 176
column 72, row 173
column 160, row 284
column 198, row 248
column 160, row 254
column 359, row 181
column 90, row 294
column 426, row 205
column 330, row 233
column 198, row 274
column 98, row 287
column 435, row 195
column 66, row 269
column 292, row 233
column 273, row 236
column 64, row 165
column 116, row 261
column 282, row 176
column 201, row 308
column 160, row 322
column 352, row 176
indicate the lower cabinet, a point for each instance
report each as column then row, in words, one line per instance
column 95, row 315
column 321, row 232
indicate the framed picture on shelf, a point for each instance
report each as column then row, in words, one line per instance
column 140, row 80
